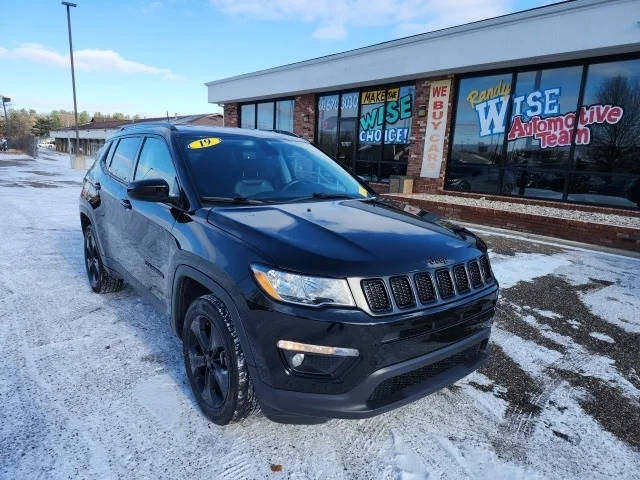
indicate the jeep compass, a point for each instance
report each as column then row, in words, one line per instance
column 293, row 286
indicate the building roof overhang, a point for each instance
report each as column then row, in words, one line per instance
column 562, row 31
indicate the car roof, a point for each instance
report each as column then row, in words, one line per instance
column 203, row 130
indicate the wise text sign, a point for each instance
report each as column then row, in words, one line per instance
column 439, row 92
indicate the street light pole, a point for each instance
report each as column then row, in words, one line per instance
column 73, row 75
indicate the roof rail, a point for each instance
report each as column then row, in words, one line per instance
column 168, row 125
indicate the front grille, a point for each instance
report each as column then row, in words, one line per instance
column 460, row 275
column 376, row 295
column 391, row 389
column 445, row 286
column 474, row 274
column 402, row 292
column 424, row 287
column 384, row 295
column 486, row 269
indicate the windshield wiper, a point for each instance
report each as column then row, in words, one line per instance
column 325, row 196
column 235, row 200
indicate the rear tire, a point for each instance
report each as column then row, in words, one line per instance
column 99, row 279
column 215, row 363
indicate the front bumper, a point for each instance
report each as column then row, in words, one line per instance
column 401, row 357
column 384, row 389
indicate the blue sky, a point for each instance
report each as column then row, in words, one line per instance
column 147, row 57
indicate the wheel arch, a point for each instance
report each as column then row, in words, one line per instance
column 189, row 284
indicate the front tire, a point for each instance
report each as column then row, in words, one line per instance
column 99, row 279
column 215, row 363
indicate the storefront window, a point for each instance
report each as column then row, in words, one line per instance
column 278, row 113
column 349, row 105
column 328, row 123
column 542, row 117
column 478, row 140
column 606, row 165
column 284, row 115
column 248, row 116
column 265, row 116
column 554, row 148
column 371, row 126
column 398, row 126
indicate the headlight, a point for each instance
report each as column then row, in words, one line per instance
column 301, row 289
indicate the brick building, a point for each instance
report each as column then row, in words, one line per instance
column 540, row 106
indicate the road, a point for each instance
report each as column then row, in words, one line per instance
column 93, row 386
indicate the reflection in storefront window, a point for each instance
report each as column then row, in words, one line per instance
column 555, row 149
column 608, row 167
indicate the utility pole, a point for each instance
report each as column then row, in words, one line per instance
column 73, row 74
column 6, row 100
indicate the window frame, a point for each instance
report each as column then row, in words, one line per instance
column 173, row 162
column 273, row 101
column 569, row 169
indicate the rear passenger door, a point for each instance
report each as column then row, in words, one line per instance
column 150, row 233
column 117, row 218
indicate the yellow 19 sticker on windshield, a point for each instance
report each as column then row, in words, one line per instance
column 205, row 142
column 363, row 191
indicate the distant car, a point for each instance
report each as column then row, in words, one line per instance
column 291, row 284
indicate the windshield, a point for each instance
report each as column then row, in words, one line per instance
column 266, row 169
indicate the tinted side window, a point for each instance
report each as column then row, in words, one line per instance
column 123, row 157
column 155, row 162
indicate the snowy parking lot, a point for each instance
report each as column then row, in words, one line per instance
column 93, row 386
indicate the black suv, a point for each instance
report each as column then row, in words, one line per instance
column 292, row 285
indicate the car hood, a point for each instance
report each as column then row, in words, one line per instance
column 347, row 237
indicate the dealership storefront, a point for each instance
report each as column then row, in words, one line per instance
column 553, row 119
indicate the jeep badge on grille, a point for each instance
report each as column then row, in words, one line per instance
column 433, row 261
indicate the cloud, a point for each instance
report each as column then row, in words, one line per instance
column 331, row 19
column 88, row 60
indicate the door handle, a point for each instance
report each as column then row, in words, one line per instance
column 125, row 203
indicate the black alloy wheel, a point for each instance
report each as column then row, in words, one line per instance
column 99, row 279
column 92, row 260
column 208, row 361
column 215, row 363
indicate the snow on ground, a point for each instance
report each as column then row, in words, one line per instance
column 93, row 386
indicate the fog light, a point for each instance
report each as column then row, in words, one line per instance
column 297, row 359
column 316, row 359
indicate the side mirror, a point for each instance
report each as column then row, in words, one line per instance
column 149, row 190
